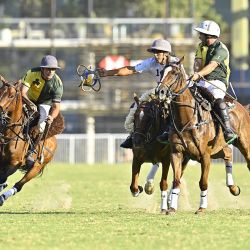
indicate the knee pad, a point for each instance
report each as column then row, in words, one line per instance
column 219, row 103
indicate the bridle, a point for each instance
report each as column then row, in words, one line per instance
column 5, row 119
column 153, row 114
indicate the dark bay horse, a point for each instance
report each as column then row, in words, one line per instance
column 14, row 143
column 196, row 134
column 149, row 122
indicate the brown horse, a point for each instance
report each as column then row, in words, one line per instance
column 195, row 133
column 14, row 142
column 149, row 122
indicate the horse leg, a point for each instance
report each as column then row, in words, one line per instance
column 164, row 186
column 134, row 188
column 33, row 172
column 228, row 159
column 205, row 167
column 176, row 161
column 4, row 176
column 3, row 183
column 149, row 185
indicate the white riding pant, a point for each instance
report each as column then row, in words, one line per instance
column 215, row 87
column 44, row 112
column 129, row 121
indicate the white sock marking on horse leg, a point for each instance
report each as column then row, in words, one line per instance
column 203, row 199
column 174, row 198
column 9, row 193
column 152, row 172
column 229, row 174
column 164, row 196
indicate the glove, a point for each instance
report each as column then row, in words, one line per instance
column 195, row 77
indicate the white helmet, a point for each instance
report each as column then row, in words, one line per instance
column 160, row 44
column 209, row 27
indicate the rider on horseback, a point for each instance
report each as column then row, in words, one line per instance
column 162, row 57
column 211, row 67
column 42, row 87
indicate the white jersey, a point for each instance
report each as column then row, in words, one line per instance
column 151, row 65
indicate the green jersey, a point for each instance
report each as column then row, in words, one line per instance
column 219, row 53
column 43, row 91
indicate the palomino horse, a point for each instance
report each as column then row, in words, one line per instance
column 195, row 134
column 14, row 142
column 149, row 122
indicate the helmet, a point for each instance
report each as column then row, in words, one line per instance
column 49, row 61
column 160, row 44
column 209, row 27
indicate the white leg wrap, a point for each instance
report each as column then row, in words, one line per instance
column 9, row 193
column 152, row 172
column 164, row 197
column 174, row 198
column 229, row 175
column 169, row 197
column 129, row 121
column 203, row 199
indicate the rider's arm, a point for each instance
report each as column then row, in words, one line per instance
column 54, row 110
column 205, row 71
column 124, row 71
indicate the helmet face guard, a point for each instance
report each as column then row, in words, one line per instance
column 209, row 27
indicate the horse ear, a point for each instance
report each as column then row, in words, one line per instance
column 136, row 99
column 2, row 79
column 181, row 60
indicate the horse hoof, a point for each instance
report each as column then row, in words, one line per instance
column 234, row 190
column 171, row 211
column 163, row 211
column 149, row 187
column 3, row 186
column 1, row 200
column 200, row 211
column 135, row 194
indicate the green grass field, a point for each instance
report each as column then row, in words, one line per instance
column 90, row 207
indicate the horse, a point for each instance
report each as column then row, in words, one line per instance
column 149, row 121
column 196, row 134
column 15, row 142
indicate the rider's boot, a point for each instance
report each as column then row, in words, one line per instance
column 222, row 110
column 30, row 155
column 128, row 143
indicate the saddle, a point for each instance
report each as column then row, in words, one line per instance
column 206, row 101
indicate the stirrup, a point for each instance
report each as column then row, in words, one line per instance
column 230, row 141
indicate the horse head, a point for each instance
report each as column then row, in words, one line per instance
column 10, row 97
column 173, row 81
column 146, row 123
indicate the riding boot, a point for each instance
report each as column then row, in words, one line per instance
column 30, row 155
column 222, row 111
column 128, row 143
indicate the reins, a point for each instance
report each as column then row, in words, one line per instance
column 5, row 119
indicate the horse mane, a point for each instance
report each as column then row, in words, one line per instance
column 57, row 126
column 247, row 107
